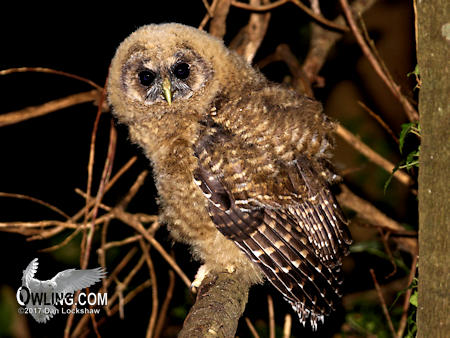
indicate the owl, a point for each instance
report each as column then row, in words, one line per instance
column 241, row 164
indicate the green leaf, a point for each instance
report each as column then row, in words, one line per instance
column 388, row 181
column 406, row 128
column 413, row 299
column 414, row 72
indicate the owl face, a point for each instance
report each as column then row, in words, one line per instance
column 149, row 76
column 162, row 69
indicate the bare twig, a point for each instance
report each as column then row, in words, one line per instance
column 300, row 81
column 119, row 267
column 66, row 241
column 217, row 27
column 122, row 170
column 248, row 40
column 130, row 295
column 271, row 317
column 251, row 328
column 208, row 8
column 393, row 87
column 154, row 314
column 374, row 157
column 406, row 302
column 379, row 120
column 383, row 303
column 49, row 71
column 35, row 200
column 374, row 216
column 121, row 286
column 259, row 8
column 89, row 187
column 306, row 9
column 384, row 238
column 107, row 169
column 165, row 305
column 322, row 40
column 208, row 15
column 48, row 107
column 287, row 326
column 132, row 221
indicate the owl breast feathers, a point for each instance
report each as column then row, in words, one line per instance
column 241, row 164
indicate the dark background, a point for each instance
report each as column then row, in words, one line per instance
column 47, row 157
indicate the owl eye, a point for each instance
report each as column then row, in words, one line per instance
column 146, row 77
column 181, row 70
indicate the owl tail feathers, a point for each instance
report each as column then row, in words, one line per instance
column 304, row 314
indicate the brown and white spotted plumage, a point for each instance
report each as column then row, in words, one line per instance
column 241, row 164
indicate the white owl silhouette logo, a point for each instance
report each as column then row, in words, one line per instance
column 40, row 297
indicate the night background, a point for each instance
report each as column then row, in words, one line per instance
column 47, row 157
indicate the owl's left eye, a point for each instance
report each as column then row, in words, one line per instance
column 181, row 70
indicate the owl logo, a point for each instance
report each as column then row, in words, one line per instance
column 39, row 297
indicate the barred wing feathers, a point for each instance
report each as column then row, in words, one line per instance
column 283, row 216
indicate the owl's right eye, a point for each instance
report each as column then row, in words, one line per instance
column 146, row 77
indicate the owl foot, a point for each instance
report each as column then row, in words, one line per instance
column 199, row 277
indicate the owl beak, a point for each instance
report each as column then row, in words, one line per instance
column 167, row 90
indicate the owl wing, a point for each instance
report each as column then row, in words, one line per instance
column 288, row 223
column 30, row 271
column 71, row 280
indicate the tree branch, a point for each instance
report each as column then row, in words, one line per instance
column 220, row 303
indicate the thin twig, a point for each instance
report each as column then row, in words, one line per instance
column 165, row 305
column 287, row 327
column 250, row 37
column 154, row 313
column 379, row 120
column 48, row 107
column 126, row 218
column 208, row 8
column 371, row 214
column 251, row 328
column 35, row 200
column 119, row 267
column 89, row 184
column 121, row 286
column 66, row 241
column 50, row 71
column 306, row 9
column 300, row 81
column 393, row 87
column 39, row 224
column 122, row 170
column 122, row 242
column 44, row 234
column 208, row 15
column 383, row 303
column 133, row 190
column 271, row 317
column 374, row 157
column 130, row 295
column 406, row 302
column 259, row 8
column 384, row 238
column 107, row 169
column 217, row 26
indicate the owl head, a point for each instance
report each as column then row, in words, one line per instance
column 162, row 69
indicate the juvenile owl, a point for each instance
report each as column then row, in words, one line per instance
column 241, row 164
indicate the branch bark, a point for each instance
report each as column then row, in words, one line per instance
column 433, row 52
column 220, row 303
